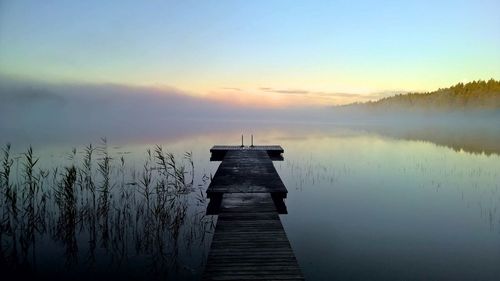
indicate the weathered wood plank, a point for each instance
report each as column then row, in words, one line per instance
column 219, row 151
column 271, row 148
column 246, row 171
column 249, row 242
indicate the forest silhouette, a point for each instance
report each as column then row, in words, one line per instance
column 476, row 95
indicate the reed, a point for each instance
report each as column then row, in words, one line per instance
column 77, row 207
column 65, row 198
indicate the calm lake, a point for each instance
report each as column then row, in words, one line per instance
column 364, row 203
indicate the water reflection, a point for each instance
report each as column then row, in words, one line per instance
column 367, row 207
column 333, row 161
column 476, row 139
column 108, row 218
column 364, row 203
column 477, row 136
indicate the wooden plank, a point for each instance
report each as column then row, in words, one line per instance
column 246, row 171
column 249, row 242
column 219, row 151
column 271, row 148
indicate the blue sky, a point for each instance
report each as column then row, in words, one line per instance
column 227, row 48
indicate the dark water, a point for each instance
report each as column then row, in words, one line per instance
column 364, row 203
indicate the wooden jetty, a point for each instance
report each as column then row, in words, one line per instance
column 249, row 241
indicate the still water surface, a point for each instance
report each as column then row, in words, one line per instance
column 362, row 205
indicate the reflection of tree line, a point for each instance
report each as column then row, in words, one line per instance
column 474, row 140
column 151, row 212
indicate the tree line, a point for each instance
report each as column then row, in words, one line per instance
column 473, row 95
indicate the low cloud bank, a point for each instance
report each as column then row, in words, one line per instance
column 30, row 111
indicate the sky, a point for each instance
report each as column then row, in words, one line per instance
column 254, row 52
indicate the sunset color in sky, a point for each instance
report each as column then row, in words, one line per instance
column 317, row 52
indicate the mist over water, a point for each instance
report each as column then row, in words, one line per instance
column 396, row 196
column 77, row 114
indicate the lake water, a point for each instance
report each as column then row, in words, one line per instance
column 364, row 203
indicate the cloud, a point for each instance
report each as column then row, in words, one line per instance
column 19, row 93
column 102, row 99
column 34, row 111
column 337, row 95
column 31, row 111
column 232, row 89
column 324, row 95
column 284, row 91
column 385, row 94
column 31, row 105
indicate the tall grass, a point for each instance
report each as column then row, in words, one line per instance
column 78, row 207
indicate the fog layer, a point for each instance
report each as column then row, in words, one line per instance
column 34, row 112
